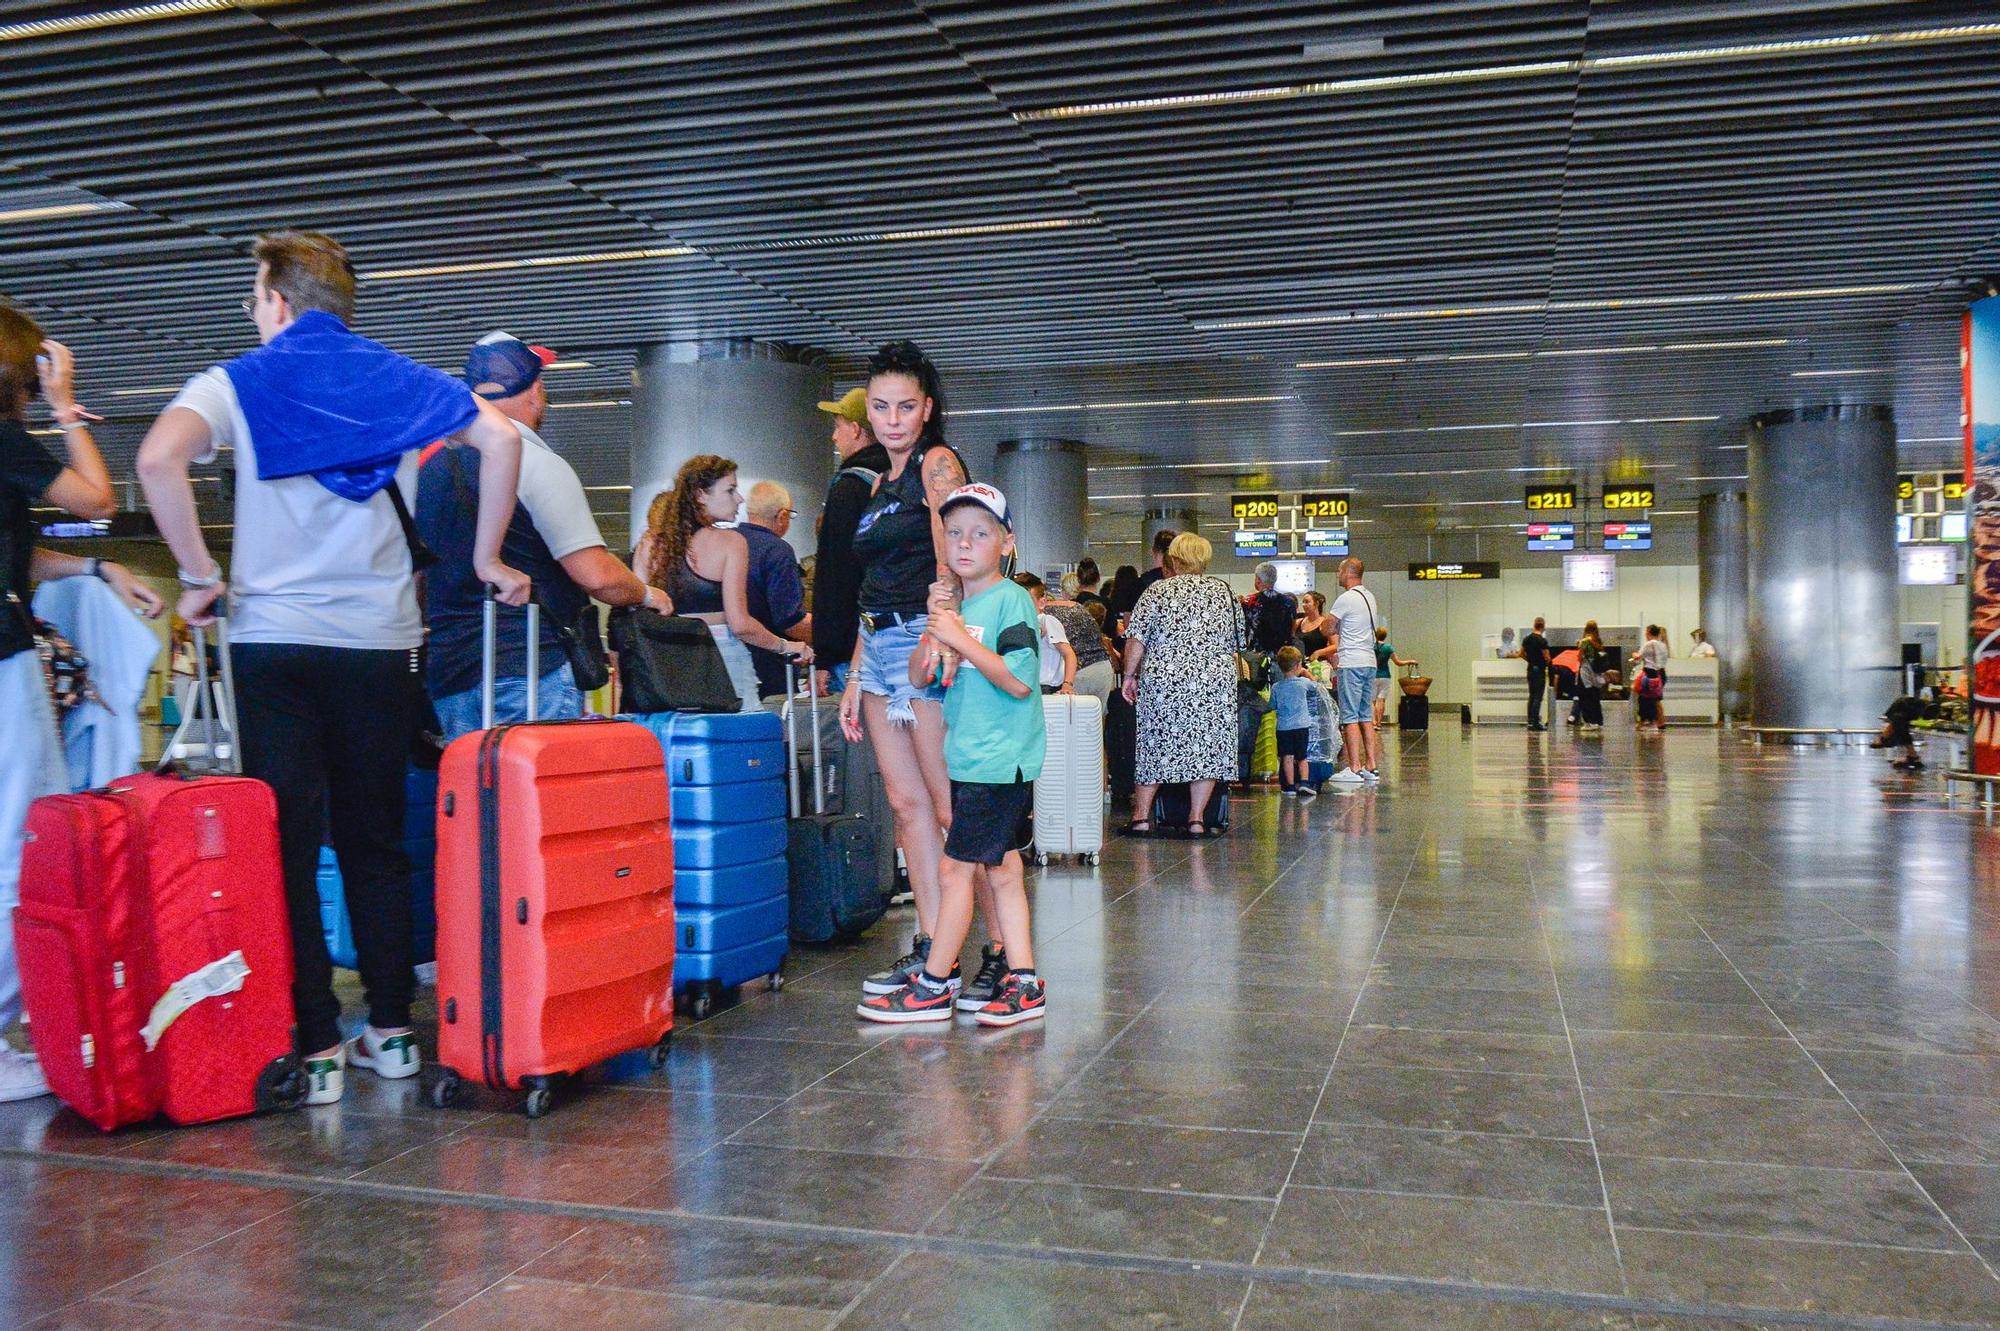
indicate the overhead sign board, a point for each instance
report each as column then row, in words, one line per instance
column 1323, row 508
column 1551, row 536
column 1438, row 572
column 1628, row 536
column 1626, row 498
column 1256, row 544
column 1551, row 498
column 1253, row 508
column 1316, row 543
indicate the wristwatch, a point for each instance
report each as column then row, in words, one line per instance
column 194, row 583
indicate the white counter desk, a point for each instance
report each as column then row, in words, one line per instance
column 1500, row 692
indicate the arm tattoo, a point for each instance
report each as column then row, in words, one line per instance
column 943, row 473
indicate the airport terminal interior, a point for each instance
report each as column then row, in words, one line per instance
column 1642, row 317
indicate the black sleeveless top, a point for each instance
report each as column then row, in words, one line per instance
column 893, row 543
column 1313, row 640
column 694, row 594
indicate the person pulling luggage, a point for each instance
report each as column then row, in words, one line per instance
column 29, row 366
column 324, row 426
column 552, row 537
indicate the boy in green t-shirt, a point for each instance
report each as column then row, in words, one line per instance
column 994, row 740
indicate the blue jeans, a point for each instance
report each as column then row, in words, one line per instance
column 558, row 699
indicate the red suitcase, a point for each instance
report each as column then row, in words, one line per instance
column 155, row 952
column 555, row 899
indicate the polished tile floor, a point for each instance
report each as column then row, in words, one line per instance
column 1548, row 1033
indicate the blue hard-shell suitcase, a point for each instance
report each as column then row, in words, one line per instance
column 726, row 774
column 718, row 749
column 733, row 885
column 420, row 844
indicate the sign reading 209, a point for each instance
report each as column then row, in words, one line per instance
column 1253, row 508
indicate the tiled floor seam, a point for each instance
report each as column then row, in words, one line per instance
column 1457, row 1290
column 1846, row 1099
column 498, row 1282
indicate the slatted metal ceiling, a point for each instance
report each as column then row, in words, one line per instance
column 822, row 163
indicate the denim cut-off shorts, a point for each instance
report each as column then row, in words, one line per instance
column 1356, row 686
column 885, row 666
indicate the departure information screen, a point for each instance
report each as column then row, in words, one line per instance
column 1256, row 544
column 1628, row 536
column 1317, row 543
column 1551, row 498
column 1551, row 536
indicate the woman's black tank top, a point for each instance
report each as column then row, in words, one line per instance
column 893, row 542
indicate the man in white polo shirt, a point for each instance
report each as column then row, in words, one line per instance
column 325, row 426
column 1355, row 611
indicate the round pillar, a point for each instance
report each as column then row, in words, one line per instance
column 1159, row 516
column 1725, row 595
column 754, row 402
column 1047, row 494
column 1823, row 595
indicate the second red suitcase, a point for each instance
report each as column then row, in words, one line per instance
column 155, row 951
column 555, row 901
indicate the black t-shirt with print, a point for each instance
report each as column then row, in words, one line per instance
column 26, row 473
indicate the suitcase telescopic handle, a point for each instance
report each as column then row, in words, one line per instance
column 792, row 737
column 211, row 706
column 489, row 646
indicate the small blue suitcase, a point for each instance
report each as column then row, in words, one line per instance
column 420, row 844
column 726, row 774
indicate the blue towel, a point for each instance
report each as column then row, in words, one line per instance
column 329, row 403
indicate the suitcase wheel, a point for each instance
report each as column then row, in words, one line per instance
column 701, row 1002
column 541, row 1099
column 657, row 1055
column 281, row 1085
column 443, row 1089
column 1093, row 858
column 776, row 981
column 1041, row 858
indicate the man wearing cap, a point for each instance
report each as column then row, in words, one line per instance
column 553, row 538
column 836, row 598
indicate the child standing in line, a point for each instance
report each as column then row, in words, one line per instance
column 994, row 742
column 1291, row 699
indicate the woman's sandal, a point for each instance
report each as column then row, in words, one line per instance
column 1138, row 827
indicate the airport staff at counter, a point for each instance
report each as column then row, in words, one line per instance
column 1499, row 691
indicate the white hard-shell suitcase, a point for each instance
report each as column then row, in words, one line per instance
column 1069, row 796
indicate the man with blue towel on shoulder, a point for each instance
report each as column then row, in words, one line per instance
column 324, row 427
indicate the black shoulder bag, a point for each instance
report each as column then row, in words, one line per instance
column 669, row 663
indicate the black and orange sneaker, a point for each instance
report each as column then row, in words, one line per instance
column 1022, row 997
column 915, row 1001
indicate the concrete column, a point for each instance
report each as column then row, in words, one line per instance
column 754, row 402
column 1724, row 553
column 1180, row 519
column 1047, row 495
column 1823, row 596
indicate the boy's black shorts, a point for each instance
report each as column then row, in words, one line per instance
column 1292, row 743
column 988, row 819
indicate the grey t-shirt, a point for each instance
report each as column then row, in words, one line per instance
column 308, row 566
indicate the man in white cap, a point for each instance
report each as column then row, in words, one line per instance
column 836, row 599
column 553, row 538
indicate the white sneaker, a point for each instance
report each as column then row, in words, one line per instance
column 1370, row 774
column 326, row 1078
column 20, row 1076
column 1347, row 776
column 392, row 1056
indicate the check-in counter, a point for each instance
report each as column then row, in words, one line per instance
column 1500, row 692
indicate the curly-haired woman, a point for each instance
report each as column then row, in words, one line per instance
column 705, row 568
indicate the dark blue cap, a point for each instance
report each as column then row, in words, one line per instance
column 501, row 365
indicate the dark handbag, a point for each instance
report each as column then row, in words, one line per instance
column 583, row 647
column 669, row 663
